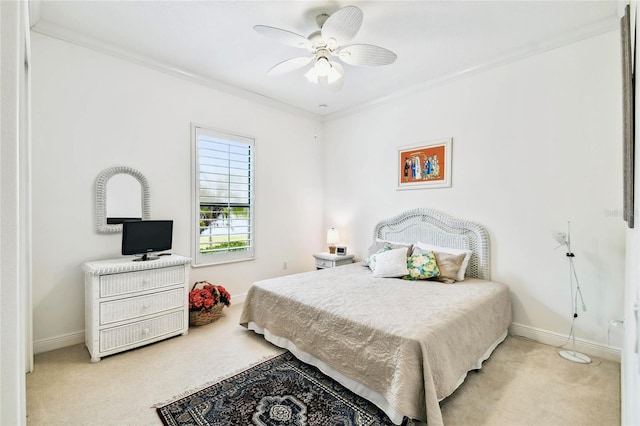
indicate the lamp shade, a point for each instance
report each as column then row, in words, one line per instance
column 333, row 236
column 561, row 238
column 324, row 71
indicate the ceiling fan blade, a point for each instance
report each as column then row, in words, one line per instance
column 342, row 25
column 283, row 36
column 366, row 55
column 289, row 65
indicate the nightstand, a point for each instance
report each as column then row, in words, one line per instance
column 327, row 260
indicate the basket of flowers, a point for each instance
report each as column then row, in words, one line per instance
column 206, row 301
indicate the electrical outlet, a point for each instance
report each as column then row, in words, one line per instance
column 284, row 265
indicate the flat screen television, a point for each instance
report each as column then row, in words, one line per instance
column 145, row 237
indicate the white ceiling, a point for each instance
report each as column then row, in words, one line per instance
column 214, row 41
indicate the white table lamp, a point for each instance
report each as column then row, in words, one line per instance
column 332, row 239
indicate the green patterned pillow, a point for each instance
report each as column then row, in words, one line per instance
column 422, row 266
column 371, row 260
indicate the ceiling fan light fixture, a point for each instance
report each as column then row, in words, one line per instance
column 333, row 75
column 328, row 42
column 312, row 75
column 322, row 66
column 323, row 70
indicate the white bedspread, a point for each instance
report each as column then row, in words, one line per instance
column 410, row 341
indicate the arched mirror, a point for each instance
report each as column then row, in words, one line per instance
column 122, row 193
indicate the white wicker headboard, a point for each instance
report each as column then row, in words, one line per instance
column 437, row 228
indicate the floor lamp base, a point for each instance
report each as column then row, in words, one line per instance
column 575, row 357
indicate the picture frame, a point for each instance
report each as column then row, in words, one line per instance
column 424, row 165
column 628, row 129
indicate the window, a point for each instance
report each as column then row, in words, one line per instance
column 223, row 196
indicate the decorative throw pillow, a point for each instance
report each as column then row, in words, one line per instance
column 378, row 244
column 422, row 266
column 391, row 263
column 376, row 247
column 371, row 260
column 449, row 265
column 465, row 262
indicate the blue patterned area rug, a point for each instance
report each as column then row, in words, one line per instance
column 282, row 391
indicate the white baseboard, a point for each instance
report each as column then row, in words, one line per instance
column 239, row 298
column 52, row 343
column 57, row 342
column 555, row 339
column 537, row 334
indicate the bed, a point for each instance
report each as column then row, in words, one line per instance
column 404, row 345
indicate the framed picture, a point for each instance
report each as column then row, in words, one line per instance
column 628, row 129
column 427, row 165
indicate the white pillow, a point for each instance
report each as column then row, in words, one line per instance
column 379, row 243
column 391, row 263
column 465, row 262
column 398, row 243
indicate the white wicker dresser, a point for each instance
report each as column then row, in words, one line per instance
column 130, row 304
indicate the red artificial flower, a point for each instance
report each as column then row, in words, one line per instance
column 207, row 296
column 225, row 297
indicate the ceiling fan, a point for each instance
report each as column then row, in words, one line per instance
column 327, row 44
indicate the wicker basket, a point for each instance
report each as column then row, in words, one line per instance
column 207, row 316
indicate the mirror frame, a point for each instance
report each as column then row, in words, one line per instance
column 101, row 197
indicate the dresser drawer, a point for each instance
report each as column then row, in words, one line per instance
column 130, row 282
column 126, row 335
column 135, row 307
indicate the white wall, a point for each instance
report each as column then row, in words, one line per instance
column 536, row 143
column 92, row 111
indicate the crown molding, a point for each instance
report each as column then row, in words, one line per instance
column 34, row 12
column 597, row 28
column 60, row 33
column 55, row 31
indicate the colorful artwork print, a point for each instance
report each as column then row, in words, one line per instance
column 427, row 165
column 423, row 164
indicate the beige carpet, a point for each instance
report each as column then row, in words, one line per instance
column 523, row 383
column 527, row 383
